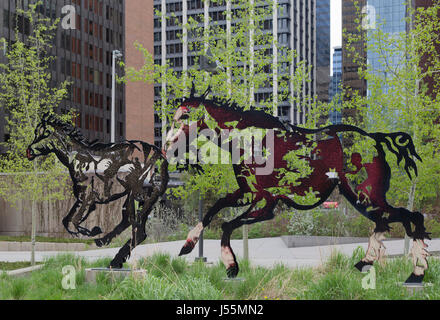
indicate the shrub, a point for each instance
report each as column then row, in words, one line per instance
column 302, row 223
column 328, row 223
column 157, row 288
column 149, row 288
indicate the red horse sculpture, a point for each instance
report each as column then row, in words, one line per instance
column 329, row 167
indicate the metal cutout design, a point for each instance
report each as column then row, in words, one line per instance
column 322, row 150
column 102, row 173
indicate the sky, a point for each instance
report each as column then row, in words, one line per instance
column 336, row 27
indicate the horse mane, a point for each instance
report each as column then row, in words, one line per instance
column 230, row 105
column 72, row 132
column 223, row 103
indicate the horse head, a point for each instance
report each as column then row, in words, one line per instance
column 186, row 116
column 43, row 142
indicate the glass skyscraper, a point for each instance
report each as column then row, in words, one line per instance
column 323, row 33
column 335, row 84
column 322, row 49
column 389, row 16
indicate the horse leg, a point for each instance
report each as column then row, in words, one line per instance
column 86, row 202
column 375, row 251
column 78, row 216
column 249, row 217
column 124, row 224
column 376, row 248
column 193, row 236
column 95, row 231
column 124, row 253
column 67, row 219
column 418, row 250
column 139, row 235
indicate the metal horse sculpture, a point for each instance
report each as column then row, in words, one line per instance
column 260, row 193
column 94, row 168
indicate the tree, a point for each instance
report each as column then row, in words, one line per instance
column 398, row 97
column 25, row 97
column 239, row 56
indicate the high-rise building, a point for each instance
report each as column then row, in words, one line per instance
column 335, row 84
column 431, row 81
column 296, row 28
column 139, row 96
column 389, row 16
column 84, row 57
column 322, row 49
column 350, row 76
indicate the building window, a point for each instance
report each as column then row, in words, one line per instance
column 121, row 129
column 86, row 95
column 121, row 107
column 157, row 132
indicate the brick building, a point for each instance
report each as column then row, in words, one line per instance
column 84, row 56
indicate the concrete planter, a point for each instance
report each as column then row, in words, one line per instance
column 43, row 246
column 24, row 271
column 311, row 241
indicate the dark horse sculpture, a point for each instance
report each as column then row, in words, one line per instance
column 98, row 171
column 320, row 150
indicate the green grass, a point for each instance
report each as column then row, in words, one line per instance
column 45, row 239
column 174, row 278
column 6, row 266
column 272, row 228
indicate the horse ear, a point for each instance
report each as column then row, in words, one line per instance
column 51, row 117
column 208, row 91
column 45, row 116
column 193, row 89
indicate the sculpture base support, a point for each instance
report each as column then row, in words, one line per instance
column 233, row 279
column 413, row 288
column 113, row 274
column 203, row 259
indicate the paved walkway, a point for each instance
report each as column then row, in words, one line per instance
column 265, row 252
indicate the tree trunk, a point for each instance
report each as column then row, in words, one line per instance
column 245, row 242
column 34, row 220
column 410, row 206
column 33, row 232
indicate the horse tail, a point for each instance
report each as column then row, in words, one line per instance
column 402, row 146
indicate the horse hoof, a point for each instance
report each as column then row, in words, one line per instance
column 363, row 266
column 415, row 279
column 99, row 242
column 232, row 271
column 95, row 231
column 187, row 247
column 115, row 265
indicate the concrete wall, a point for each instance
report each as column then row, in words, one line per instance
column 16, row 220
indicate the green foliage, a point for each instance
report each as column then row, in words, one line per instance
column 336, row 279
column 242, row 70
column 46, row 239
column 399, row 99
column 26, row 95
column 5, row 266
column 328, row 223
